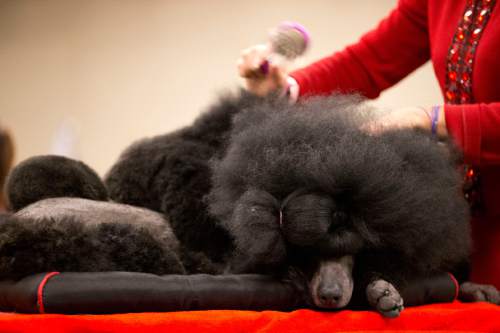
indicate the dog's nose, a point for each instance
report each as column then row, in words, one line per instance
column 329, row 294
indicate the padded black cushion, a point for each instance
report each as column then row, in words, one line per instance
column 124, row 292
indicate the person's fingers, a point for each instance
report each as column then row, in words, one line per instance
column 410, row 117
column 250, row 61
column 244, row 69
column 373, row 128
column 277, row 75
column 261, row 75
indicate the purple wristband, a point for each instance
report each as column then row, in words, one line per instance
column 434, row 119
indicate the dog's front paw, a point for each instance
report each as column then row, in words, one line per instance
column 474, row 292
column 384, row 297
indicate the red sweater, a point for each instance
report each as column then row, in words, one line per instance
column 414, row 32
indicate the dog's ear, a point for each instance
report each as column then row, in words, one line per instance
column 254, row 226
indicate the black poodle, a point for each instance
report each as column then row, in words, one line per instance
column 62, row 222
column 360, row 213
column 290, row 188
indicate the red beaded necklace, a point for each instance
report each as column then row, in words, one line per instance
column 463, row 49
column 459, row 75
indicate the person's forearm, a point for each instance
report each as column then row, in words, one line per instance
column 377, row 61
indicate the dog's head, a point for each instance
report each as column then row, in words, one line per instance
column 311, row 230
column 324, row 236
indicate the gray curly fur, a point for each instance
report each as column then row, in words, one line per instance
column 392, row 199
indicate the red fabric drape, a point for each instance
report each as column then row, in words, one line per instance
column 478, row 317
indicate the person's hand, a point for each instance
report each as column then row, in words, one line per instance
column 410, row 117
column 259, row 80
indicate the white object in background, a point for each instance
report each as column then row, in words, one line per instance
column 65, row 141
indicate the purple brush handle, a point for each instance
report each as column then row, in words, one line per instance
column 264, row 67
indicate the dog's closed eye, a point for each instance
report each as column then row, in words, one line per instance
column 317, row 221
column 307, row 218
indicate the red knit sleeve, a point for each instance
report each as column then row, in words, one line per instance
column 476, row 129
column 381, row 58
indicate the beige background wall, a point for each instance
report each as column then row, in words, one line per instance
column 88, row 77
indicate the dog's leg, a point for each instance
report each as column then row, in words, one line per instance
column 380, row 275
column 385, row 298
column 474, row 292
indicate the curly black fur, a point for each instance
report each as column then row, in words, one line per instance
column 393, row 199
column 340, row 189
column 171, row 174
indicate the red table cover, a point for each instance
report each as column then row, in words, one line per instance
column 446, row 317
